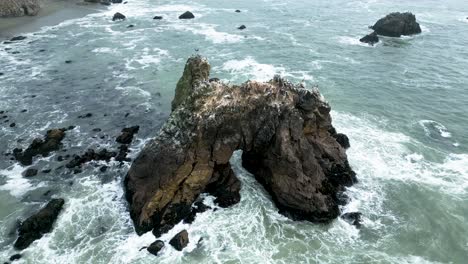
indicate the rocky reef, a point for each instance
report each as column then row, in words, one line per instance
column 284, row 130
column 16, row 8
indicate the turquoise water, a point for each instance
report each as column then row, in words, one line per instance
column 403, row 103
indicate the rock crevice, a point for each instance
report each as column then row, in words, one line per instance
column 284, row 130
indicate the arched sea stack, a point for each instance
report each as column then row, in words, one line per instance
column 284, row 130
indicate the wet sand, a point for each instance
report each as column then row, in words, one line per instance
column 53, row 12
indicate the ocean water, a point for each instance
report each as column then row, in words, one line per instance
column 403, row 103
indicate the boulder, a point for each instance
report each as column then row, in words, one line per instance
column 353, row 218
column 370, row 39
column 51, row 142
column 38, row 224
column 158, row 17
column 155, row 247
column 180, row 241
column 397, row 24
column 118, row 16
column 30, row 173
column 187, row 15
column 284, row 130
column 15, row 257
column 117, row 1
column 16, row 8
column 242, row 27
column 238, row 11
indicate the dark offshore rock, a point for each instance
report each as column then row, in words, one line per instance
column 15, row 257
column 38, row 224
column 158, row 17
column 18, row 38
column 284, row 130
column 155, row 247
column 51, row 142
column 187, row 15
column 242, row 27
column 397, row 24
column 118, row 16
column 180, row 240
column 370, row 39
column 238, row 11
column 353, row 218
column 30, row 173
column 90, row 155
column 117, row 1
column 127, row 135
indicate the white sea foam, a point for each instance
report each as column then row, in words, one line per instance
column 433, row 128
column 250, row 68
column 16, row 184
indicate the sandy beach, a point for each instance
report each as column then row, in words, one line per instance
column 52, row 13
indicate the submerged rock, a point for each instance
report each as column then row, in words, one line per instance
column 238, row 11
column 52, row 142
column 118, row 16
column 242, row 27
column 187, row 15
column 158, row 17
column 18, row 38
column 284, row 130
column 155, row 247
column 353, row 218
column 15, row 257
column 16, row 8
column 370, row 39
column 180, row 240
column 38, row 224
column 90, row 155
column 397, row 24
column 30, row 173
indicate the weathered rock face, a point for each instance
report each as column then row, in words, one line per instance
column 16, row 8
column 37, row 225
column 285, row 133
column 397, row 24
column 155, row 247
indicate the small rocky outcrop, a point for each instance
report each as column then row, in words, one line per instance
column 187, row 15
column 242, row 27
column 284, row 130
column 90, row 155
column 155, row 247
column 353, row 218
column 118, row 16
column 180, row 241
column 127, row 135
column 51, row 142
column 17, row 8
column 396, row 25
column 157, row 17
column 38, row 224
column 370, row 39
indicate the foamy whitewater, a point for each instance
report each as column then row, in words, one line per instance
column 403, row 103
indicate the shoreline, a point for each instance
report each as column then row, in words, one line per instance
column 52, row 13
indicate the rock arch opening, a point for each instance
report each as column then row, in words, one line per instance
column 284, row 131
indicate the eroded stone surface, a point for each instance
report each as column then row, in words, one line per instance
column 284, row 130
